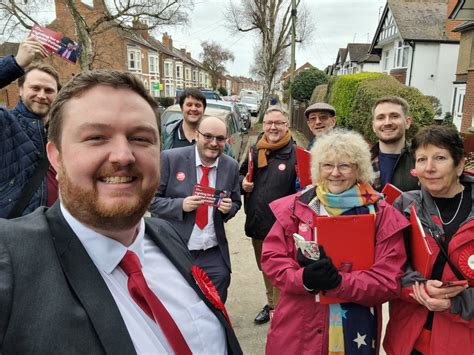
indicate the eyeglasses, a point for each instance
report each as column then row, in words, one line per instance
column 210, row 138
column 277, row 124
column 344, row 168
column 323, row 117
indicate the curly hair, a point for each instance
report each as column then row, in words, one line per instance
column 342, row 145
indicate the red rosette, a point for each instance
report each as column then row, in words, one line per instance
column 209, row 290
column 466, row 263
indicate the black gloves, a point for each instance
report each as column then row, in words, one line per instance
column 321, row 274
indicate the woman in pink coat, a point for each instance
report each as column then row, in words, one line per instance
column 341, row 171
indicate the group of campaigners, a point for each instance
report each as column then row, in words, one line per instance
column 91, row 274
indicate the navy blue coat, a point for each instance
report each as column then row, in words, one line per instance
column 22, row 145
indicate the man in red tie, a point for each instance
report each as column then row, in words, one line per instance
column 201, row 225
column 90, row 274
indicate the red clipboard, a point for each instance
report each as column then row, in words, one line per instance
column 421, row 255
column 391, row 193
column 250, row 166
column 303, row 161
column 348, row 241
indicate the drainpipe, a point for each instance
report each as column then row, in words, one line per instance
column 412, row 45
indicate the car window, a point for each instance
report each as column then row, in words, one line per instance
column 249, row 100
column 171, row 116
column 222, row 107
column 231, row 124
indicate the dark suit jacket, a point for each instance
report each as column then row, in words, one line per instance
column 53, row 299
column 169, row 201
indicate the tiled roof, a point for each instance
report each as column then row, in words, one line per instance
column 420, row 20
column 357, row 51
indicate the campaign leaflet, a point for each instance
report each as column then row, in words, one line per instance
column 210, row 195
column 57, row 43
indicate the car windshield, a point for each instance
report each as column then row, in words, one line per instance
column 223, row 107
column 249, row 100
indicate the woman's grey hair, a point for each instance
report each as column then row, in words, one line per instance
column 342, row 146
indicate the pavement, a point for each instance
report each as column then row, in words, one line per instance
column 246, row 295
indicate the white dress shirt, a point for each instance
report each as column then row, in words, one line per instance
column 203, row 239
column 202, row 330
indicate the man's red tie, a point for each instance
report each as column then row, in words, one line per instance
column 150, row 304
column 202, row 211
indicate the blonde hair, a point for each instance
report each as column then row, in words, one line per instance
column 342, row 144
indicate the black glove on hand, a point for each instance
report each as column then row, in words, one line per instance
column 304, row 261
column 321, row 275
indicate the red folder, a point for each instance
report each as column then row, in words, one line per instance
column 303, row 160
column 349, row 241
column 391, row 193
column 420, row 251
column 250, row 166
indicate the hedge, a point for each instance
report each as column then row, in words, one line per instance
column 305, row 82
column 342, row 91
column 368, row 92
column 319, row 94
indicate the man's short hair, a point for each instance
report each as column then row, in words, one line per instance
column 46, row 68
column 276, row 108
column 194, row 93
column 85, row 81
column 396, row 100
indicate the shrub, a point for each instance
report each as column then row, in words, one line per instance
column 360, row 118
column 319, row 93
column 305, row 82
column 165, row 101
column 222, row 91
column 342, row 93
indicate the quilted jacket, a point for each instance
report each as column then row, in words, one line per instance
column 22, row 145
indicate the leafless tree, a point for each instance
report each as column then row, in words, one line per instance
column 115, row 14
column 271, row 19
column 214, row 57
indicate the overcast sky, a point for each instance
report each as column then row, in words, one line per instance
column 337, row 22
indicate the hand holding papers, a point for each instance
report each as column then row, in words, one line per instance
column 57, row 43
column 210, row 195
column 309, row 248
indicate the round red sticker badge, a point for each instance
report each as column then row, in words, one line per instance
column 281, row 167
column 180, row 176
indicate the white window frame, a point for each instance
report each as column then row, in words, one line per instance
column 134, row 56
column 401, row 55
column 386, row 59
column 153, row 64
column 168, row 68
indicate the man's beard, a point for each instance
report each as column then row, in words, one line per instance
column 394, row 139
column 85, row 205
column 41, row 111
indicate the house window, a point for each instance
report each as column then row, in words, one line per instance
column 153, row 64
column 187, row 74
column 169, row 90
column 401, row 55
column 134, row 59
column 168, row 69
column 194, row 75
column 386, row 58
column 179, row 71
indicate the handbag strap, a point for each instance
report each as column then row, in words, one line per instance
column 29, row 189
column 442, row 247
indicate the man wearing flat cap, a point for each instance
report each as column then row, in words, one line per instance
column 321, row 118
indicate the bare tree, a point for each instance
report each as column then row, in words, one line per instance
column 119, row 14
column 272, row 20
column 214, row 57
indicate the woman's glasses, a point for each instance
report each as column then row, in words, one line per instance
column 344, row 168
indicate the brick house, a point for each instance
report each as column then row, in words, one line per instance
column 463, row 97
column 10, row 94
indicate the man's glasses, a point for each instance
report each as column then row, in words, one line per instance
column 210, row 138
column 277, row 124
column 344, row 168
column 322, row 118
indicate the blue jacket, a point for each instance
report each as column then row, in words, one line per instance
column 22, row 145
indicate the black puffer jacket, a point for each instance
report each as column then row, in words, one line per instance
column 272, row 182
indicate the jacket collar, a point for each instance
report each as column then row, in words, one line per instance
column 21, row 109
column 375, row 150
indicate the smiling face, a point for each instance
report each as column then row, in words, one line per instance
column 320, row 122
column 108, row 159
column 210, row 140
column 436, row 171
column 38, row 92
column 338, row 174
column 193, row 109
column 275, row 126
column 390, row 123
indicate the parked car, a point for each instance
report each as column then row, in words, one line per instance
column 209, row 94
column 246, row 114
column 251, row 103
column 232, row 107
column 234, row 132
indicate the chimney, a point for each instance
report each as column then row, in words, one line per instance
column 183, row 51
column 141, row 28
column 449, row 25
column 167, row 41
column 188, row 54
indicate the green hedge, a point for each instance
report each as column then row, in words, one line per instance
column 305, row 82
column 319, row 94
column 360, row 117
column 165, row 101
column 343, row 91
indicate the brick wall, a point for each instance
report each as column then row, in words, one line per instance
column 468, row 102
column 450, row 24
column 399, row 74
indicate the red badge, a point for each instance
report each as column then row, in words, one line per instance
column 180, row 176
column 281, row 167
column 466, row 263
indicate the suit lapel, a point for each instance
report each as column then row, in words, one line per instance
column 89, row 286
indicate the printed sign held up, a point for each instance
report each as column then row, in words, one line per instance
column 57, row 43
